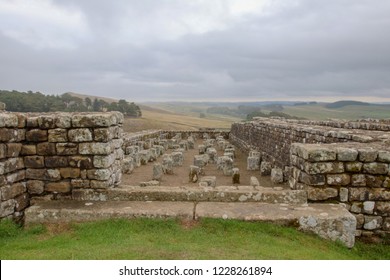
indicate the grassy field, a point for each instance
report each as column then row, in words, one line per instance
column 154, row 118
column 173, row 239
column 352, row 112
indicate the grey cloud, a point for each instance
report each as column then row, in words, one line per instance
column 308, row 50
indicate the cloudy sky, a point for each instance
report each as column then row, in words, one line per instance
column 149, row 50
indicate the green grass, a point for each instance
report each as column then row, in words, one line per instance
column 173, row 239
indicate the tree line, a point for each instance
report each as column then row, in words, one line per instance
column 37, row 102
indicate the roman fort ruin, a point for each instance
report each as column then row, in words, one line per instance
column 331, row 178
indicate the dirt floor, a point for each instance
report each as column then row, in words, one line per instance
column 180, row 176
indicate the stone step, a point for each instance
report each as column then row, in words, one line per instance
column 188, row 193
column 330, row 221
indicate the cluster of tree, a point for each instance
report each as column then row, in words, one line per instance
column 37, row 102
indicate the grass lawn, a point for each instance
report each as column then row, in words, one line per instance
column 173, row 239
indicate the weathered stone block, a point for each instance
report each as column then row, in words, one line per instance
column 103, row 134
column 12, row 135
column 11, row 165
column 144, row 156
column 167, row 164
column 13, row 149
column 59, row 187
column 7, row 208
column 82, row 162
column 202, row 149
column 46, row 122
column 368, row 155
column 386, row 183
column 80, row 135
column 191, row 143
column 338, row 179
column 46, row 149
column 96, row 148
column 321, row 193
column 343, row 194
column 356, row 207
column 94, row 120
column 323, row 167
column 359, row 220
column 63, row 120
column 8, row 120
column 22, row 202
column 254, row 182
column 12, row 191
column 80, row 183
column 127, row 165
column 152, row 183
column 157, row 171
column 99, row 174
column 152, row 154
column 3, row 151
column 221, row 144
column 376, row 168
column 70, row 172
column 347, row 154
column 277, row 175
column 183, row 145
column 353, row 166
column 314, row 153
column 212, row 153
column 34, row 161
column 358, row 194
column 236, row 176
column 384, row 156
column 265, row 168
column 36, row 135
column 103, row 161
column 16, row 176
column 386, row 224
column 208, row 181
column 67, row 149
column 95, row 184
column 131, row 150
column 56, row 161
column 35, row 186
column 177, row 158
column 58, row 135
column 28, row 150
column 379, row 194
column 375, row 181
column 358, row 180
column 341, row 228
column 160, row 150
column 253, row 163
column 43, row 174
column 313, row 180
column 368, row 207
column 194, row 173
column 372, row 222
column 383, row 207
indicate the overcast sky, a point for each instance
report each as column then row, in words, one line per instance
column 149, row 50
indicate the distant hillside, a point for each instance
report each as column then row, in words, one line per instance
column 343, row 103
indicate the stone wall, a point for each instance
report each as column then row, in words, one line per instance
column 334, row 161
column 273, row 136
column 351, row 173
column 49, row 155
